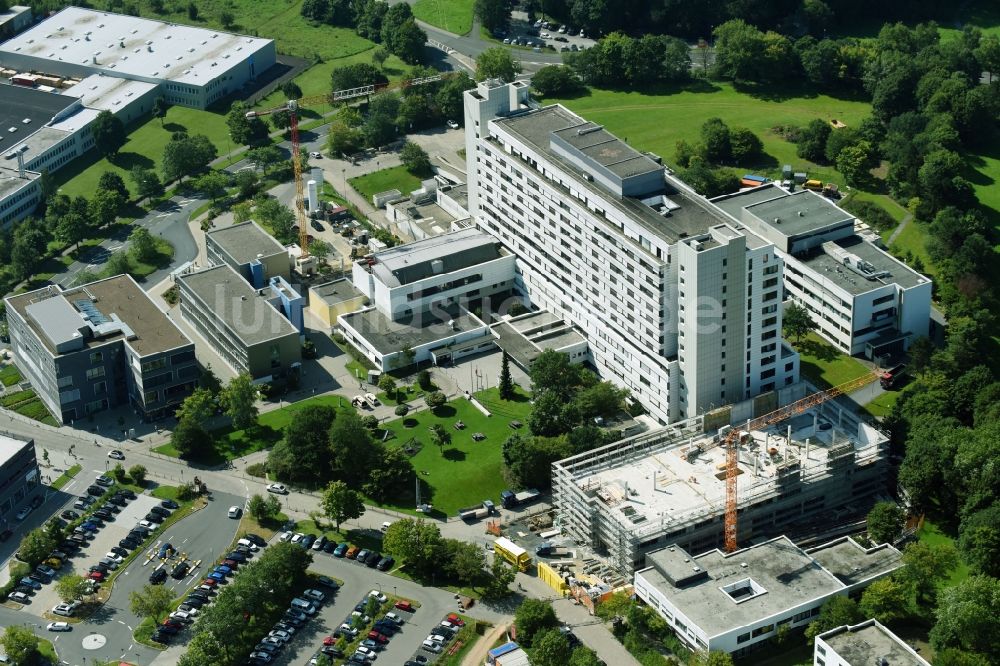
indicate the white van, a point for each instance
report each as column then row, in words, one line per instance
column 307, row 607
column 249, row 544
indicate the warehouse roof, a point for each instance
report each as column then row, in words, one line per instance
column 134, row 47
column 25, row 110
column 416, row 261
column 108, row 93
column 245, row 242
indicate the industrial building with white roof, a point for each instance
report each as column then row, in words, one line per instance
column 192, row 66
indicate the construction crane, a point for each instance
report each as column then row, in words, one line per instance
column 292, row 106
column 733, row 437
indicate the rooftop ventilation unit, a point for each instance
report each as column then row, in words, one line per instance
column 589, row 130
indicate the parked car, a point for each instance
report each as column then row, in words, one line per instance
column 452, row 124
column 116, row 454
column 66, row 610
column 319, row 543
column 169, row 504
column 314, row 595
column 373, row 559
column 160, row 511
column 237, row 556
column 328, row 582
column 277, row 488
column 405, row 606
column 152, row 518
column 255, row 539
column 69, row 514
column 235, row 512
column 385, row 563
column 96, row 491
column 341, row 549
column 158, row 576
column 105, row 481
column 147, row 524
column 59, row 626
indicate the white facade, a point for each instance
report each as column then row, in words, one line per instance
column 864, row 644
column 602, row 235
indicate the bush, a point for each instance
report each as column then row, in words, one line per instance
column 424, row 380
column 257, row 469
column 401, row 410
column 871, row 213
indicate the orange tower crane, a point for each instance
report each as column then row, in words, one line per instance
column 733, row 436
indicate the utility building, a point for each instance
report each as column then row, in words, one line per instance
column 668, row 487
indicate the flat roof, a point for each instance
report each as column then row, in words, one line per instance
column 684, row 479
column 245, row 241
column 12, row 12
column 690, row 215
column 335, row 292
column 108, row 93
column 405, row 264
column 787, row 213
column 11, row 182
column 783, row 574
column 868, row 643
column 19, row 103
column 10, row 447
column 57, row 320
column 852, row 564
column 606, row 149
column 236, row 304
column 422, row 328
column 834, row 269
column 130, row 46
column 147, row 329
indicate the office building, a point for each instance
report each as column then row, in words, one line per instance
column 863, row 300
column 867, row 643
column 191, row 66
column 250, row 251
column 240, row 324
column 736, row 602
column 18, row 476
column 677, row 303
column 667, row 487
column 332, row 299
column 98, row 346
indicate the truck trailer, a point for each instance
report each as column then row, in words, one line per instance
column 892, row 376
column 478, row 512
column 510, row 551
column 509, row 499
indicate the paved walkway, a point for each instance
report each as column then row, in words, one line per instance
column 898, row 230
column 477, row 655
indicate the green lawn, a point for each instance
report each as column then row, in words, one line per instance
column 895, row 210
column 47, row 650
column 144, row 148
column 912, row 242
column 466, row 472
column 10, row 375
column 455, row 16
column 656, row 121
column 26, row 403
column 822, row 364
column 66, row 476
column 932, row 535
column 983, row 14
column 396, row 178
column 883, row 404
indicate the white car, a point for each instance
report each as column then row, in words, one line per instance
column 235, row 511
column 366, row 651
column 378, row 595
column 181, row 616
column 297, row 537
column 349, row 630
column 19, row 597
column 23, row 513
column 148, row 524
column 66, row 610
column 315, row 155
column 277, row 488
column 392, row 617
column 116, row 454
column 452, row 124
column 114, row 556
column 59, row 626
column 437, row 638
column 281, row 635
column 285, row 537
column 372, row 399
column 314, row 595
column 431, row 646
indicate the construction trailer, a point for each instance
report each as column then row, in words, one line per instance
column 510, row 551
column 667, row 486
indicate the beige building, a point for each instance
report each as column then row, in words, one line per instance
column 250, row 251
column 329, row 301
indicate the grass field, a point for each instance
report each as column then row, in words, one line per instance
column 10, row 375
column 396, row 178
column 26, row 403
column 65, row 477
column 822, row 364
column 466, row 472
column 883, row 404
column 455, row 16
column 656, row 121
column 932, row 535
column 144, row 148
column 913, row 240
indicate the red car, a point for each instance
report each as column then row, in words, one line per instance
column 172, row 623
column 377, row 637
column 211, row 582
column 96, row 575
column 405, row 606
column 455, row 620
column 329, row 640
column 232, row 564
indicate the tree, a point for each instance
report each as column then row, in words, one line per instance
column 71, row 586
column 304, row 453
column 160, row 108
column 387, row 384
column 291, row 90
column 497, row 63
column 465, row 561
column 415, row 541
column 926, row 566
column 812, row 141
column 712, row 658
column 186, row 155
column 20, row 644
column 988, row 54
column 835, row 612
column 197, row 407
column 738, row 49
column 797, row 322
column 855, row 162
column 415, row 159
column 885, row 522
column 72, row 228
column 242, row 130
column 353, row 449
column 118, row 472
column 966, row 617
column 355, row 76
column 409, row 42
column 885, row 600
column 555, row 80
column 379, row 56
column 602, row 399
column 979, row 540
column 378, row 131
column 112, row 182
column 435, row 400
column 531, row 618
column 279, row 217
column 142, row 245
column 955, row 657
column 552, row 371
column 506, row 384
column 138, row 474
column 192, row 10
column 342, row 139
column 439, row 436
column 494, row 14
column 109, row 134
column 320, row 249
column 147, row 183
column 264, row 157
column 226, row 18
column 263, row 509
column 501, row 576
column 240, row 401
column 584, row 656
column 716, row 141
column 745, row 145
column 392, row 477
column 341, row 503
column 36, row 545
column 29, row 244
column 152, row 601
column 213, row 184
column 552, row 415
column 550, row 648
column 103, row 207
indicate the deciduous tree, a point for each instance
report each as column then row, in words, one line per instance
column 240, row 401
column 885, row 522
column 341, row 503
column 152, row 601
column 71, row 586
column 797, row 322
column 497, row 63
column 531, row 618
column 109, row 134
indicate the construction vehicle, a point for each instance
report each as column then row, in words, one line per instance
column 813, row 184
column 478, row 512
column 509, row 499
column 546, row 549
column 733, row 438
column 892, row 376
column 510, row 551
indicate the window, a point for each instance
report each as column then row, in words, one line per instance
column 150, row 396
column 760, row 631
column 743, row 638
column 96, row 357
column 95, row 373
column 150, row 366
column 101, row 388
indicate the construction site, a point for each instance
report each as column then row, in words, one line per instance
column 812, row 466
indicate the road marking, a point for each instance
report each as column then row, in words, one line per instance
column 121, row 622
